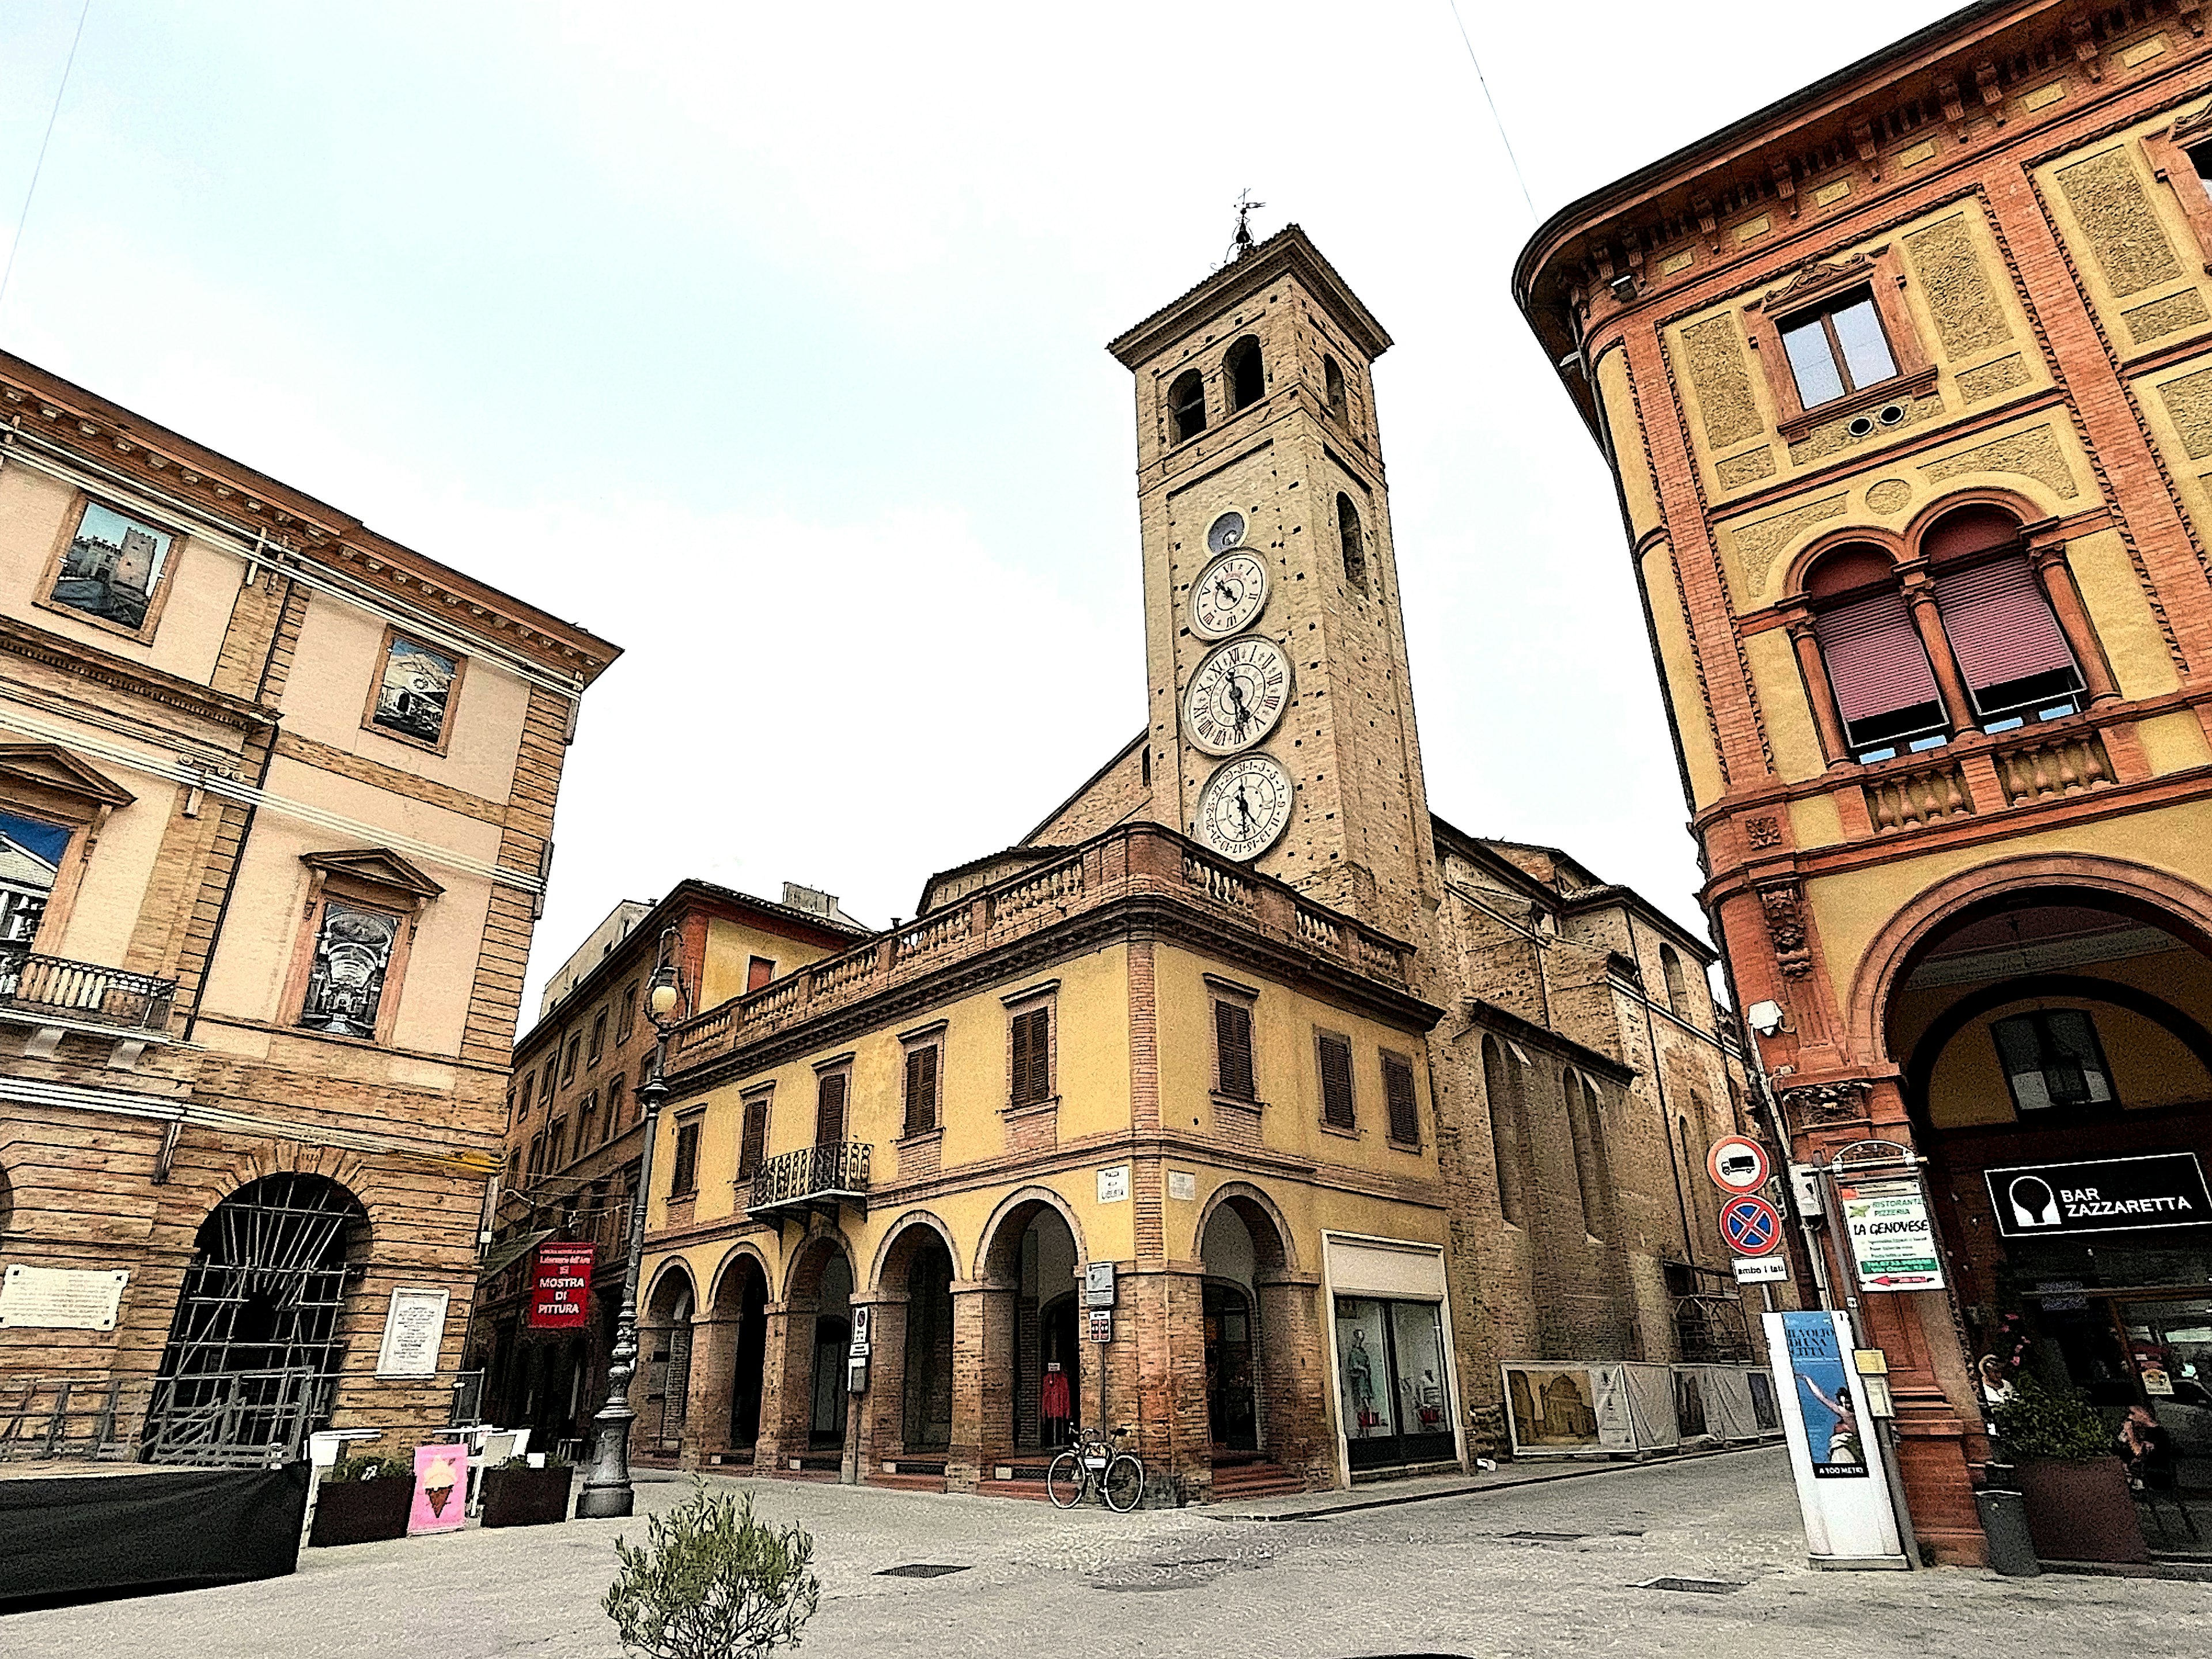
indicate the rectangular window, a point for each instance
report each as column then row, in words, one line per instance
column 31, row 855
column 113, row 568
column 529, row 1086
column 586, row 1122
column 2010, row 651
column 617, row 1087
column 1336, row 1108
column 545, row 1087
column 345, row 979
column 1032, row 1057
column 2200, row 158
column 1232, row 1048
column 626, row 1014
column 1837, row 349
column 685, row 1182
column 1397, row 1095
column 2052, row 1059
column 598, row 1037
column 752, row 1146
column 758, row 972
column 413, row 696
column 568, row 1063
column 514, row 1168
column 556, row 1135
column 536, row 1154
column 921, row 1089
column 830, row 1106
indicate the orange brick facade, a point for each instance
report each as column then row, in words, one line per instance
column 2011, row 193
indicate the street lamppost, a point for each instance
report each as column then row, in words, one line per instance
column 607, row 1490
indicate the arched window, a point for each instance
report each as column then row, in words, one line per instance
column 1502, row 1089
column 1884, row 685
column 2011, row 652
column 1187, row 405
column 1678, row 990
column 1588, row 1180
column 1246, row 379
column 1332, row 380
column 1353, row 544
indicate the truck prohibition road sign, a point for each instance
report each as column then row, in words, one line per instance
column 1737, row 1163
column 1752, row 1226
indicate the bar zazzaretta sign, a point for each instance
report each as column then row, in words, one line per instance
column 2101, row 1195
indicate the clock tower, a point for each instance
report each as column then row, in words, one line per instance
column 1279, row 715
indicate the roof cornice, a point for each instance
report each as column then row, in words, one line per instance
column 1288, row 253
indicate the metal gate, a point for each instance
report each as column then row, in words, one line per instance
column 253, row 1355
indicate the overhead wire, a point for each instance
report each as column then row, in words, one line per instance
column 1498, row 120
column 15, row 241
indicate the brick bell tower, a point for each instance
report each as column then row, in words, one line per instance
column 1280, row 714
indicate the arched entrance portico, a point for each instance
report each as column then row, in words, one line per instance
column 910, row 1405
column 2054, row 1045
column 730, row 1348
column 1265, row 1402
column 805, row 1408
column 666, row 1339
column 1030, row 1390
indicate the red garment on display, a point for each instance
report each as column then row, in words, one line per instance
column 1051, row 1397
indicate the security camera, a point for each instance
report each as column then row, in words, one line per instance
column 1764, row 1017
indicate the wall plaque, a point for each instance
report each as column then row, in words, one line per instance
column 414, row 1330
column 60, row 1298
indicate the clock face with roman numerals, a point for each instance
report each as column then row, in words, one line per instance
column 1238, row 695
column 1245, row 807
column 1228, row 595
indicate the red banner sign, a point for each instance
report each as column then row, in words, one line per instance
column 560, row 1280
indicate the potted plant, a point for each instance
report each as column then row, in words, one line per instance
column 2075, row 1490
column 362, row 1499
column 517, row 1495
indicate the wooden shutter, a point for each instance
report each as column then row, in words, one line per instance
column 921, row 1089
column 1032, row 1066
column 1397, row 1095
column 1874, row 658
column 1232, row 1040
column 687, row 1161
column 754, row 1146
column 830, row 1109
column 1336, row 1081
column 2000, row 625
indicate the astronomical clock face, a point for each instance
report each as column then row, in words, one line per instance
column 1238, row 695
column 1245, row 807
column 1228, row 595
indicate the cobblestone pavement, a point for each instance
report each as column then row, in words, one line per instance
column 1541, row 1569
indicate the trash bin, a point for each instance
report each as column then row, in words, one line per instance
column 2004, row 1524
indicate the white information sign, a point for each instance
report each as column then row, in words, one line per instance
column 1098, row 1284
column 60, row 1298
column 1181, row 1184
column 1114, row 1184
column 1893, row 1236
column 1762, row 1269
column 414, row 1331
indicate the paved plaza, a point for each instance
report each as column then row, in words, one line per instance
column 1548, row 1568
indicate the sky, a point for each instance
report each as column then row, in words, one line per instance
column 768, row 341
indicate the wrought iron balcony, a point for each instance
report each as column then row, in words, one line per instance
column 65, row 992
column 820, row 1178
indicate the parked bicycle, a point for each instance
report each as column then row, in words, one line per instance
column 1098, row 1460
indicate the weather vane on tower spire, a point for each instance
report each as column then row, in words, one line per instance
column 1243, row 243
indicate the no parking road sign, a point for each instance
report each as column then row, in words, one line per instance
column 1751, row 1225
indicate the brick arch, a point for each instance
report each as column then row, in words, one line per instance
column 2180, row 905
column 665, row 1279
column 727, row 1270
column 2023, row 511
column 1277, row 1255
column 803, row 1271
column 898, row 1241
column 1019, row 1202
column 1801, row 565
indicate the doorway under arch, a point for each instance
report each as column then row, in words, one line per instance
column 741, row 1316
column 1034, row 1256
column 253, row 1351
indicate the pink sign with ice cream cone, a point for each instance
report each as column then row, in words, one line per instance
column 441, row 1489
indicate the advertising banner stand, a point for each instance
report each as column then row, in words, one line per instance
column 1839, row 1465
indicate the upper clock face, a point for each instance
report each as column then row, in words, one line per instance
column 1245, row 807
column 1238, row 695
column 1228, row 595
column 1225, row 532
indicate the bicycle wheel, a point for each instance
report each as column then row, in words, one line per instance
column 1063, row 1481
column 1124, row 1483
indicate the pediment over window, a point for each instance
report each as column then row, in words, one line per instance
column 1815, row 279
column 2192, row 129
column 375, row 866
column 49, row 766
